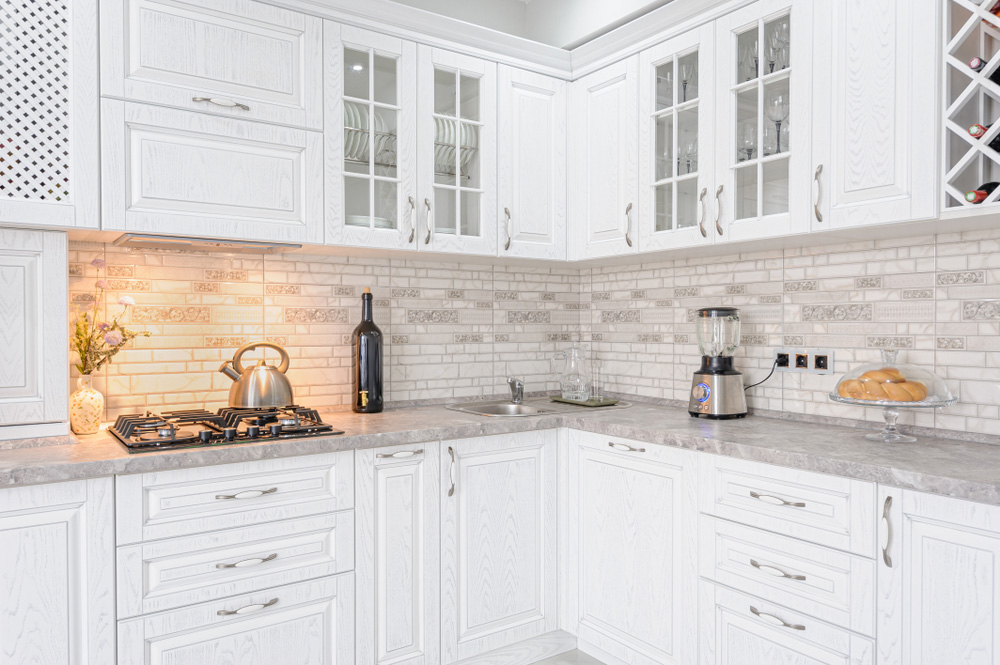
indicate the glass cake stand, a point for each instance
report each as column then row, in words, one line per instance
column 937, row 393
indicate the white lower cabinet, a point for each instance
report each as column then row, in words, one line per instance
column 633, row 541
column 57, row 580
column 498, row 542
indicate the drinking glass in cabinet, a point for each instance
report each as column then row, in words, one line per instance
column 746, row 115
column 687, row 141
column 778, row 34
column 688, row 66
column 746, row 138
column 776, row 107
column 665, row 86
column 748, row 57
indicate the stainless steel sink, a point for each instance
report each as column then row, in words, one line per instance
column 499, row 409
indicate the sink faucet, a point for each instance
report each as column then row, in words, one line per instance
column 516, row 390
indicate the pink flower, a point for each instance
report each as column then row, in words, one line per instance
column 113, row 338
column 102, row 284
column 103, row 325
column 98, row 263
column 126, row 301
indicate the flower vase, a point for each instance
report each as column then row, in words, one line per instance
column 86, row 407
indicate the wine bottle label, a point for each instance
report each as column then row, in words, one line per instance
column 364, row 398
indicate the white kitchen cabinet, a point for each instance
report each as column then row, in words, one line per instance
column 371, row 139
column 939, row 581
column 603, row 149
column 632, row 539
column 186, row 173
column 676, row 139
column 49, row 166
column 498, row 542
column 57, row 578
column 33, row 367
column 874, row 112
column 398, row 555
column 457, row 162
column 239, row 58
column 531, row 188
column 764, row 83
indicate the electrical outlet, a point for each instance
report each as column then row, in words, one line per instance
column 804, row 361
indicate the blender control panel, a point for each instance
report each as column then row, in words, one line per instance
column 701, row 392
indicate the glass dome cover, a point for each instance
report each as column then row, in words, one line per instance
column 889, row 383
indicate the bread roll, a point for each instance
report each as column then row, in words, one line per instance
column 851, row 389
column 895, row 373
column 917, row 390
column 898, row 392
column 880, row 376
column 873, row 390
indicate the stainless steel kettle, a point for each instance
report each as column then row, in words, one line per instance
column 259, row 386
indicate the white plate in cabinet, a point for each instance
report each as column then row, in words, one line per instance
column 166, row 574
column 821, row 582
column 187, row 173
column 829, row 510
column 736, row 629
column 311, row 623
column 232, row 57
column 633, row 527
column 181, row 502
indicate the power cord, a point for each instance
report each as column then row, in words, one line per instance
column 754, row 385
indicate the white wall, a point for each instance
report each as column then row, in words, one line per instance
column 568, row 23
column 508, row 16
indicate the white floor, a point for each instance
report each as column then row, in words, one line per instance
column 570, row 658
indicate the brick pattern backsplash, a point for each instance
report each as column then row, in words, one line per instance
column 458, row 330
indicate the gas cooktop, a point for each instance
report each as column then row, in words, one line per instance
column 198, row 428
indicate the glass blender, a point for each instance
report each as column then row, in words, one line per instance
column 717, row 388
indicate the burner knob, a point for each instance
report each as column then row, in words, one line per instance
column 275, row 429
column 205, row 435
column 229, row 433
column 253, row 431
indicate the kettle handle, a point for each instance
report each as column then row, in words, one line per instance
column 238, row 366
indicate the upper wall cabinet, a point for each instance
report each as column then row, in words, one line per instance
column 676, row 131
column 763, row 124
column 531, row 197
column 874, row 110
column 180, row 172
column 49, row 158
column 371, row 139
column 603, row 153
column 233, row 57
column 457, row 166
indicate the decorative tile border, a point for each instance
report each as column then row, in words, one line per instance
column 528, row 317
column 951, row 343
column 501, row 337
column 753, row 340
column 981, row 310
column 664, row 303
column 637, row 295
column 559, row 337
column 76, row 270
column 505, row 295
column 680, row 339
column 455, row 295
column 769, row 300
column 917, row 294
column 130, row 285
column 967, row 277
column 794, row 340
column 168, row 314
column 577, row 305
column 547, row 297
column 205, row 287
column 687, row 292
column 405, row 293
column 889, row 342
column 649, row 338
column 432, row 316
column 622, row 316
column 868, row 282
column 121, row 271
column 213, row 275
column 736, row 289
column 836, row 312
column 282, row 289
column 249, row 300
column 804, row 285
column 225, row 341
column 399, row 339
column 484, row 305
column 600, row 296
column 468, row 338
column 315, row 315
column 343, row 291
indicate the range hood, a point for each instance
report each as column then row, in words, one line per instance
column 146, row 241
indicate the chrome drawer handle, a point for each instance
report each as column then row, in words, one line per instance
column 451, row 471
column 506, row 226
column 220, row 101
column 246, row 494
column 248, row 609
column 427, row 220
column 402, row 454
column 770, row 618
column 777, row 572
column 628, row 228
column 701, row 222
column 413, row 211
column 625, row 447
column 819, row 193
column 718, row 209
column 776, row 500
column 885, row 532
column 246, row 563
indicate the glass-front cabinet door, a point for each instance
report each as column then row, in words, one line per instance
column 371, row 139
column 764, row 129
column 457, row 143
column 675, row 138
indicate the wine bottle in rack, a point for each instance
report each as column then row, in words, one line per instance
column 995, row 10
column 977, row 65
column 977, row 131
column 980, row 194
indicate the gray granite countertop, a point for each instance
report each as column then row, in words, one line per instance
column 952, row 468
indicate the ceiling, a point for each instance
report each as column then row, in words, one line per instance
column 561, row 23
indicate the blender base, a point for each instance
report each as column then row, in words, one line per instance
column 711, row 416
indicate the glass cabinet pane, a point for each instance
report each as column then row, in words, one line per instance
column 445, row 88
column 747, row 56
column 665, row 85
column 664, row 201
column 777, row 35
column 775, row 186
column 445, row 213
column 356, row 74
column 470, row 97
column 776, row 109
column 687, row 76
column 746, row 192
column 687, row 203
column 385, row 80
column 687, row 142
column 356, row 198
column 664, row 167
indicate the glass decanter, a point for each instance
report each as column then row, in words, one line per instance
column 574, row 382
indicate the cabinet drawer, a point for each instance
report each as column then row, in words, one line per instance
column 311, row 622
column 165, row 504
column 739, row 628
column 266, row 58
column 166, row 574
column 829, row 510
column 818, row 581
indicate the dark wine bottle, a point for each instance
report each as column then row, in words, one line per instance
column 977, row 131
column 980, row 194
column 977, row 65
column 995, row 10
column 366, row 365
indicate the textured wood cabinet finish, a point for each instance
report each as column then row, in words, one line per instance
column 57, row 583
column 498, row 542
column 531, row 138
column 632, row 530
column 187, row 173
column 33, row 366
column 311, row 623
column 233, row 51
column 873, row 113
column 166, row 504
column 399, row 563
column 603, row 154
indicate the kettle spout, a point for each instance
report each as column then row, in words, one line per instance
column 227, row 369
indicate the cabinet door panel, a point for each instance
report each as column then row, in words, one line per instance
column 234, row 51
column 186, row 173
column 532, row 165
column 498, row 578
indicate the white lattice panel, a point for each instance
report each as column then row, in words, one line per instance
column 35, row 100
